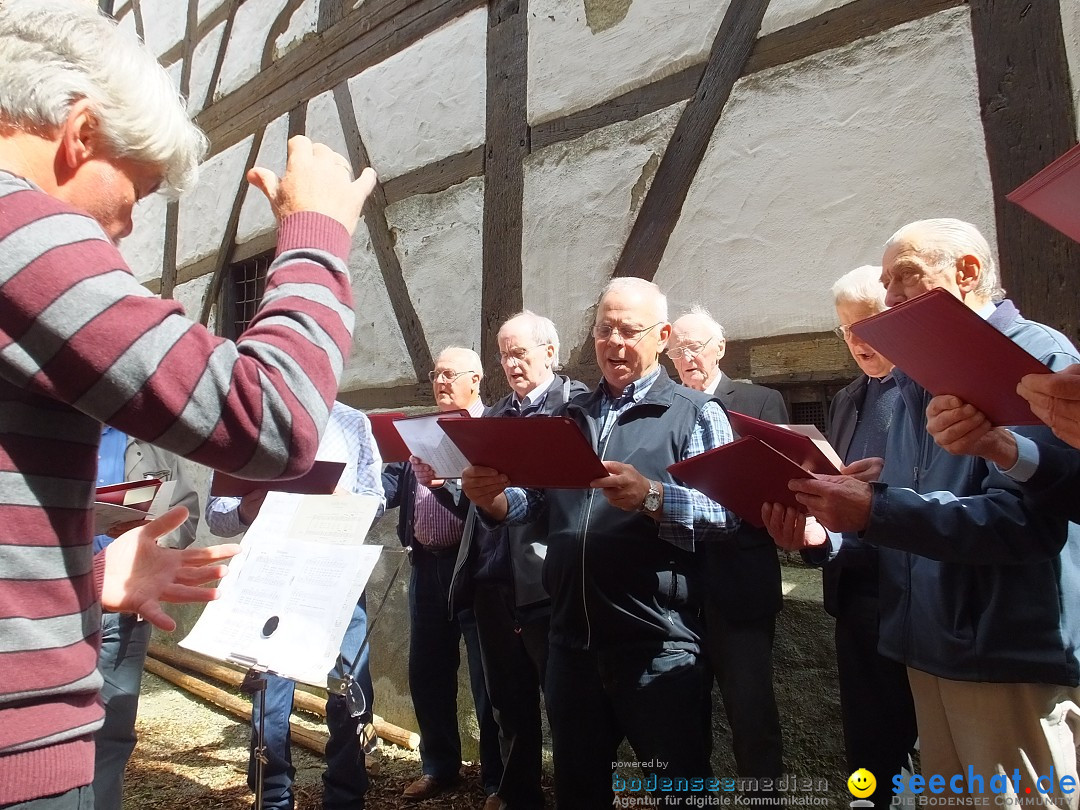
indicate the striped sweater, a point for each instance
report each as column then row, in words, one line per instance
column 82, row 342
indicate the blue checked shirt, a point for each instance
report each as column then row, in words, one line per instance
column 688, row 516
column 347, row 438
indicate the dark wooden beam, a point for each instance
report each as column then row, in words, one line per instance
column 373, row 32
column 507, row 145
column 1027, row 112
column 332, row 12
column 168, row 253
column 663, row 203
column 140, row 29
column 278, row 27
column 228, row 238
column 436, row 177
column 209, row 22
column 401, row 396
column 382, row 242
column 298, row 120
column 219, row 62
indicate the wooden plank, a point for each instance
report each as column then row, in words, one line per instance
column 228, row 238
column 298, row 120
column 391, row 397
column 382, row 242
column 332, row 12
column 507, row 138
column 168, row 253
column 1028, row 118
column 436, row 177
column 373, row 32
column 140, row 29
column 219, row 62
column 210, row 21
column 278, row 27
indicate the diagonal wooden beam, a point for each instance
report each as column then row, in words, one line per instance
column 219, row 61
column 1027, row 112
column 382, row 242
column 507, row 139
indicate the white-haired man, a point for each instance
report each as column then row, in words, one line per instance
column 89, row 124
column 980, row 594
column 743, row 593
column 625, row 657
column 433, row 533
column 498, row 572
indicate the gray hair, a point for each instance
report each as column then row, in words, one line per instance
column 57, row 53
column 542, row 330
column 714, row 325
column 639, row 286
column 942, row 242
column 471, row 357
column 861, row 286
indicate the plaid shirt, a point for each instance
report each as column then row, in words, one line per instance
column 688, row 516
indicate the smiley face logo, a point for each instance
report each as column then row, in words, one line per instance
column 861, row 783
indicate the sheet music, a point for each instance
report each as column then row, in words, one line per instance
column 289, row 595
column 428, row 441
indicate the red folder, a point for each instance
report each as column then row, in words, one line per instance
column 1053, row 195
column 539, row 451
column 321, row 479
column 799, row 448
column 948, row 349
column 742, row 476
column 133, row 494
column 391, row 446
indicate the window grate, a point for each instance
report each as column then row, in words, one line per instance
column 809, row 413
column 248, row 286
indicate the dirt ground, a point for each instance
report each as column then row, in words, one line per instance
column 192, row 755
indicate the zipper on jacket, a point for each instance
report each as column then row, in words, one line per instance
column 584, row 534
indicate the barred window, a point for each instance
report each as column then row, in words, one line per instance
column 242, row 292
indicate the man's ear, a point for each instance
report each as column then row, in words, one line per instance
column 78, row 136
column 722, row 348
column 968, row 271
column 665, row 336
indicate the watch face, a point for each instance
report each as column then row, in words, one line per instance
column 652, row 501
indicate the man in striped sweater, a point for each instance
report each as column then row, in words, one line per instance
column 89, row 124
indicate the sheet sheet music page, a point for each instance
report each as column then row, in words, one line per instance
column 289, row 595
column 428, row 441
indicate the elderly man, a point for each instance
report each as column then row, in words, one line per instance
column 498, row 573
column 979, row 593
column 876, row 709
column 89, row 124
column 744, row 590
column 625, row 657
column 432, row 533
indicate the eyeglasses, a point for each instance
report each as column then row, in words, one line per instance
column 843, row 332
column 517, row 355
column 689, row 351
column 446, row 376
column 604, row 331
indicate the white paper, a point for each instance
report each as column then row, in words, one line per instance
column 818, row 438
column 108, row 515
column 427, row 441
column 303, row 561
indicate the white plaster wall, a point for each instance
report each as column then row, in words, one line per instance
column 255, row 214
column 324, row 123
column 304, row 21
column 814, row 165
column 379, row 356
column 247, row 41
column 205, row 209
column 1070, row 24
column 571, row 68
column 203, row 59
column 438, row 242
column 164, row 22
column 782, row 13
column 144, row 248
column 581, row 198
column 426, row 102
column 206, row 7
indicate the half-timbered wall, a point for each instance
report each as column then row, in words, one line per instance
column 742, row 154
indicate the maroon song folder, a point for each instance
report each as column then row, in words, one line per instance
column 948, row 349
column 134, row 494
column 539, row 451
column 1053, row 195
column 799, row 448
column 321, row 479
column 391, row 446
column 742, row 476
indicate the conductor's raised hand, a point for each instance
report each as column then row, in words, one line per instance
column 316, row 179
column 140, row 574
column 484, row 487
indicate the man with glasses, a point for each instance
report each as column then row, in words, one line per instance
column 498, row 572
column 432, row 533
column 743, row 593
column 625, row 646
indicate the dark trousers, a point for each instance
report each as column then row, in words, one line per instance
column 81, row 798
column 653, row 699
column 345, row 779
column 740, row 653
column 515, row 656
column 875, row 699
column 434, row 658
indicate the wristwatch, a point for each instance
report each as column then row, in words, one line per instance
column 653, row 499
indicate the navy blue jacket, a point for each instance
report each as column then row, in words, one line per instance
column 975, row 584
